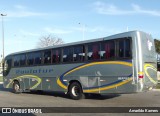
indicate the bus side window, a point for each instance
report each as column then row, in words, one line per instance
column 107, row 50
column 22, row 60
column 56, row 56
column 30, row 59
column 121, row 48
column 93, row 51
column 37, row 57
column 68, row 54
column 127, row 48
column 47, row 57
column 79, row 54
column 16, row 60
column 124, row 48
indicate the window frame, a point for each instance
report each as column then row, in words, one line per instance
column 115, row 50
column 82, row 51
column 87, row 51
column 65, row 48
column 124, row 52
column 43, row 57
column 60, row 55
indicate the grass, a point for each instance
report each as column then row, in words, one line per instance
column 1, row 79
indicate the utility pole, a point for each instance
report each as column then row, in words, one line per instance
column 83, row 26
column 2, row 15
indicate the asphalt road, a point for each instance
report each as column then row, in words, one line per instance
column 53, row 99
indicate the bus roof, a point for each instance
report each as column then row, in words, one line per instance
column 120, row 35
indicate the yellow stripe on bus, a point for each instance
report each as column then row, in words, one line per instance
column 108, row 87
column 149, row 66
column 26, row 76
column 97, row 63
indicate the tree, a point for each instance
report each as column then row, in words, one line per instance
column 157, row 45
column 49, row 40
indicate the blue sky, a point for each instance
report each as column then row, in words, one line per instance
column 28, row 20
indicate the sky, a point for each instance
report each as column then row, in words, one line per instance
column 74, row 20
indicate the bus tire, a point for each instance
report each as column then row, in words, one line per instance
column 16, row 87
column 75, row 91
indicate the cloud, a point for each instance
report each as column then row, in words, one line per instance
column 26, row 33
column 111, row 9
column 138, row 9
column 57, row 31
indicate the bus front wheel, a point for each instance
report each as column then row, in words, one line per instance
column 75, row 91
column 16, row 87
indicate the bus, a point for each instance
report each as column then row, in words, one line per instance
column 117, row 64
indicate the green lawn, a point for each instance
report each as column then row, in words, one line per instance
column 1, row 79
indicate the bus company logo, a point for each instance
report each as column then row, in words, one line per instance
column 149, row 44
column 6, row 110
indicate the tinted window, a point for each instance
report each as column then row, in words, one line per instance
column 121, row 48
column 68, row 54
column 56, row 56
column 124, row 48
column 34, row 58
column 47, row 56
column 16, row 60
column 22, row 59
column 78, row 53
column 93, row 51
column 37, row 58
column 107, row 50
column 127, row 48
column 30, row 59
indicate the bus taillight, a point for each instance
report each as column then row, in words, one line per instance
column 140, row 76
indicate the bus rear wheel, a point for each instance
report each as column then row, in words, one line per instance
column 75, row 91
column 16, row 87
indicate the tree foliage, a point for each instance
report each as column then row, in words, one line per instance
column 157, row 45
column 49, row 40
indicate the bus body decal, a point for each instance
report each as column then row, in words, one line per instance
column 149, row 66
column 38, row 79
column 63, row 84
column 59, row 82
column 110, row 86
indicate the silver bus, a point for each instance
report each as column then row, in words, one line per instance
column 121, row 63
